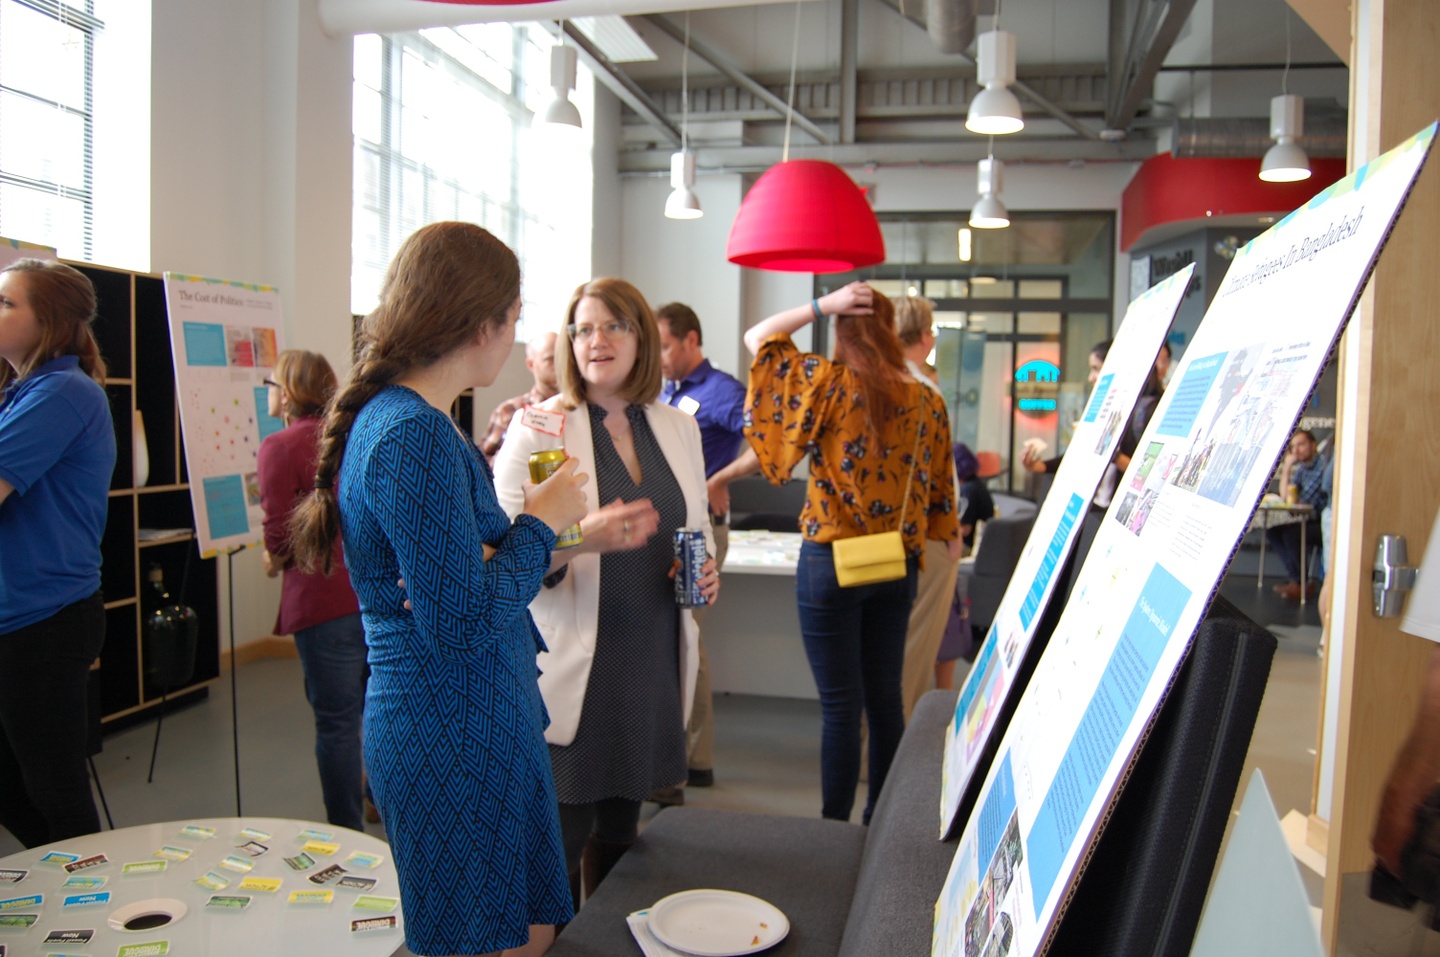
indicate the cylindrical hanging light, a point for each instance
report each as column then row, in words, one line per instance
column 1286, row 162
column 995, row 110
column 989, row 212
column 805, row 216
column 562, row 81
column 682, row 202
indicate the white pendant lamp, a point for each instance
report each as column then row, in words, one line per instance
column 989, row 211
column 562, row 80
column 682, row 202
column 995, row 111
column 1286, row 162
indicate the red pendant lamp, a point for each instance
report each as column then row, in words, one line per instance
column 805, row 216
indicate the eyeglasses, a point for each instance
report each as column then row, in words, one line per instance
column 271, row 383
column 614, row 329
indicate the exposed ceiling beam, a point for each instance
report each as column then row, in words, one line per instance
column 726, row 66
column 849, row 55
column 1019, row 86
column 748, row 159
column 1158, row 24
column 621, row 85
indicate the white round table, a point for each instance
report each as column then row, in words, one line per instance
column 269, row 925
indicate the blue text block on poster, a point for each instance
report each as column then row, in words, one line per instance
column 225, row 506
column 1097, row 398
column 1054, row 553
column 995, row 814
column 267, row 423
column 1190, row 395
column 1109, row 714
column 204, row 344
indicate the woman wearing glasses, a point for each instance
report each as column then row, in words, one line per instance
column 620, row 673
column 321, row 611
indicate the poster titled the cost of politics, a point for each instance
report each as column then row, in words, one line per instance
column 1106, row 415
column 12, row 250
column 225, row 337
column 1177, row 517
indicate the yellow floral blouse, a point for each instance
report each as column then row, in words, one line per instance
column 802, row 404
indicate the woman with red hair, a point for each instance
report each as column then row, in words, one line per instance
column 866, row 425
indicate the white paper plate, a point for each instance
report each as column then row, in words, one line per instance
column 168, row 906
column 715, row 923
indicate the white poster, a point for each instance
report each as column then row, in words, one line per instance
column 1158, row 557
column 225, row 337
column 13, row 249
column 1097, row 434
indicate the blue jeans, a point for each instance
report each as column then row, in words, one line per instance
column 332, row 655
column 855, row 642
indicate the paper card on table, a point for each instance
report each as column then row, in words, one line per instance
column 86, row 900
column 59, row 857
column 197, row 832
column 365, row 924
column 361, row 859
column 320, row 847
column 266, row 885
column 238, row 864
column 325, row 876
column 311, row 897
column 154, row 948
column 356, row 883
column 69, row 936
column 94, row 860
column 255, row 834
column 232, row 902
column 300, row 862
column 212, row 881
column 254, row 848
column 315, row 834
column 84, row 883
column 376, row 903
column 144, row 867
column 13, row 876
column 16, row 903
column 170, row 853
column 18, row 920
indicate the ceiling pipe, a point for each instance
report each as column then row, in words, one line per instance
column 951, row 23
column 348, row 17
column 1325, row 136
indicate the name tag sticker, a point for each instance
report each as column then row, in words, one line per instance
column 688, row 405
column 551, row 423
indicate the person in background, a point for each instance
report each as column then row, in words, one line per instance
column 1164, row 361
column 935, row 590
column 1096, row 361
column 976, row 506
column 1309, row 473
column 321, row 611
column 57, row 454
column 717, row 401
column 619, row 677
column 453, row 730
column 540, row 360
column 864, row 422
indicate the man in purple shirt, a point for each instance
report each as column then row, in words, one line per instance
column 717, row 401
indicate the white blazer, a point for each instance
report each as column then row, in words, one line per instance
column 567, row 614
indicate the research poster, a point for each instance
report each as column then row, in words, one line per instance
column 225, row 337
column 991, row 681
column 13, row 249
column 1169, row 534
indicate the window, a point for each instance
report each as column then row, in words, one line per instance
column 442, row 121
column 47, row 128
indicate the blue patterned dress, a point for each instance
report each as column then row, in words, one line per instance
column 454, row 722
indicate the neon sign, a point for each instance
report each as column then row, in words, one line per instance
column 1037, row 386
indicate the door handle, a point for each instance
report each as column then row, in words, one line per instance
column 1392, row 577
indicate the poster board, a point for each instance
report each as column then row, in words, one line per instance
column 224, row 337
column 992, row 679
column 1159, row 556
column 15, row 249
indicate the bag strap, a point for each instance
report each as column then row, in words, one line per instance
column 910, row 477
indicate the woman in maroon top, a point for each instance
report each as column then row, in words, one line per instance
column 320, row 610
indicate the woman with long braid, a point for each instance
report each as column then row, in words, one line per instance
column 454, row 723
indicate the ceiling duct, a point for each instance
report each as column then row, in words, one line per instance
column 951, row 23
column 1325, row 135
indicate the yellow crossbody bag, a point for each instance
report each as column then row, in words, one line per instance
column 880, row 556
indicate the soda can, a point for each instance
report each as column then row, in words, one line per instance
column 690, row 559
column 542, row 465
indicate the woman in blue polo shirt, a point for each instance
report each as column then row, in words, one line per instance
column 57, row 452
